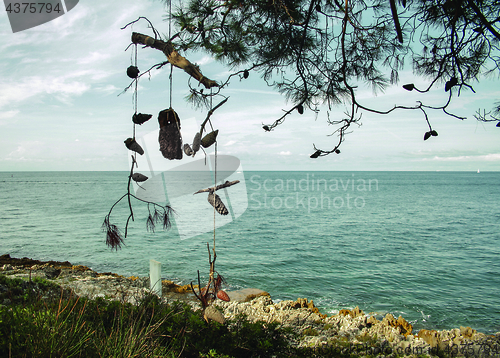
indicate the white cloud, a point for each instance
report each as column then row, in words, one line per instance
column 285, row 153
column 7, row 115
column 466, row 158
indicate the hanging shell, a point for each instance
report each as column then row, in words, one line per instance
column 138, row 177
column 217, row 203
column 222, row 295
column 131, row 144
column 214, row 314
column 209, row 139
column 133, row 72
column 187, row 150
column 140, row 118
column 170, row 139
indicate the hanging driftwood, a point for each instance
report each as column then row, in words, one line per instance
column 220, row 186
column 170, row 136
column 174, row 58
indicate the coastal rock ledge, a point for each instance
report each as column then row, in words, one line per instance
column 349, row 331
column 357, row 332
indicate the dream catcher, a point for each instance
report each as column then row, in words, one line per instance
column 172, row 148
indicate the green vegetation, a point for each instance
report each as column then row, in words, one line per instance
column 40, row 319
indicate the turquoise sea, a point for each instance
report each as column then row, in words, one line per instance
column 424, row 245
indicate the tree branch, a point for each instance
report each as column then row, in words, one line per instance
column 483, row 19
column 174, row 58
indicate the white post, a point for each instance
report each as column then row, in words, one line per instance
column 155, row 276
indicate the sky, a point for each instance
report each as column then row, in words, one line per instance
column 60, row 108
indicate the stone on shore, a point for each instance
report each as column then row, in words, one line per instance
column 246, row 294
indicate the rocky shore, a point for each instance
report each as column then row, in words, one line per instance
column 349, row 331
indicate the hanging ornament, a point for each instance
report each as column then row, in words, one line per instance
column 138, row 177
column 209, row 139
column 217, row 203
column 133, row 72
column 131, row 144
column 196, row 142
column 140, row 118
column 170, row 136
column 187, row 150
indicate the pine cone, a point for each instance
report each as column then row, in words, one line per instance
column 217, row 203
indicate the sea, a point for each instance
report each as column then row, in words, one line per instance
column 423, row 245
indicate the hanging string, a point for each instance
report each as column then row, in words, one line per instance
column 169, row 37
column 215, row 161
column 135, row 90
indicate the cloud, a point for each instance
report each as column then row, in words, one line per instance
column 7, row 115
column 466, row 158
column 285, row 153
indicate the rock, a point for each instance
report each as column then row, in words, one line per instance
column 214, row 314
column 246, row 294
column 429, row 336
column 401, row 324
column 355, row 312
column 51, row 272
column 371, row 321
column 168, row 285
column 467, row 332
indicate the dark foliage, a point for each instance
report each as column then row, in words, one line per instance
column 319, row 52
